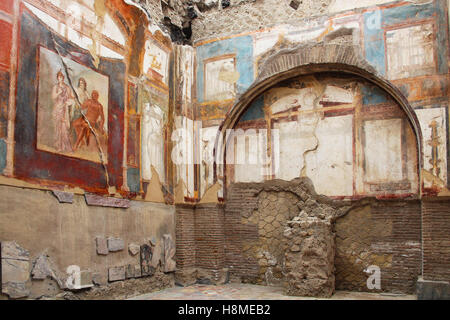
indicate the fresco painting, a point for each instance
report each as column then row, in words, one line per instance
column 382, row 153
column 433, row 122
column 334, row 138
column 104, row 103
column 133, row 143
column 208, row 139
column 72, row 108
column 410, row 51
column 153, row 141
column 220, row 78
column 156, row 62
column 183, row 157
column 344, row 117
column 405, row 43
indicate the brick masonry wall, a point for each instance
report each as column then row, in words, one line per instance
column 436, row 242
column 209, row 237
column 386, row 234
column 200, row 242
column 185, row 236
column 398, row 249
column 241, row 201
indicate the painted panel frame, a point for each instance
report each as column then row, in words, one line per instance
column 52, row 169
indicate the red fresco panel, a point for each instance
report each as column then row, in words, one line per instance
column 5, row 44
column 7, row 5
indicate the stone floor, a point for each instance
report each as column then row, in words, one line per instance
column 253, row 292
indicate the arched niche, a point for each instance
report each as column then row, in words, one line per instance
column 310, row 60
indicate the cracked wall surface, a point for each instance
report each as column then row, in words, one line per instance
column 271, row 215
column 162, row 65
column 96, row 240
column 323, row 127
column 367, row 232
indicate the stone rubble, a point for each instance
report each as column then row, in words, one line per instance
column 15, row 270
column 146, row 260
column 169, row 253
column 116, row 274
column 115, row 244
column 309, row 265
column 133, row 249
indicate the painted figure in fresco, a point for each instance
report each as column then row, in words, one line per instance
column 93, row 111
column 83, row 95
column 206, row 159
column 152, row 155
column 82, row 92
column 63, row 99
column 178, row 156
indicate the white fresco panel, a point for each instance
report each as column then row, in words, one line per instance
column 383, row 150
column 247, row 167
column 208, row 140
column 330, row 167
column 152, row 142
column 410, row 51
column 215, row 87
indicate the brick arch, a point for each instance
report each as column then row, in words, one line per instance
column 308, row 60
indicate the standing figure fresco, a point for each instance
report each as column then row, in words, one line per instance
column 152, row 154
column 93, row 120
column 61, row 126
column 63, row 99
column 83, row 95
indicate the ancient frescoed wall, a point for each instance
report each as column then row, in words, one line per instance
column 101, row 106
column 404, row 42
column 150, row 121
column 85, row 115
column 90, row 103
column 352, row 138
column 184, row 137
column 321, row 127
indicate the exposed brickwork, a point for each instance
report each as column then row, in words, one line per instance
column 185, row 236
column 200, row 242
column 290, row 58
column 246, row 215
column 400, row 248
column 241, row 201
column 210, row 238
column 436, row 243
column 273, row 212
column 405, row 243
column 386, row 234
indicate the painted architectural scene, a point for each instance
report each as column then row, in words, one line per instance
column 303, row 146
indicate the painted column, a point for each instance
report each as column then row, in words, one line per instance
column 9, row 170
